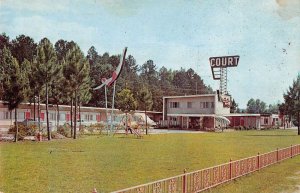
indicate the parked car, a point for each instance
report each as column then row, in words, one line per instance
column 295, row 122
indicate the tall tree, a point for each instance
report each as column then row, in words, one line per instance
column 145, row 102
column 256, row 106
column 234, row 106
column 96, row 73
column 149, row 76
column 13, row 82
column 47, row 70
column 57, row 93
column 181, row 82
column 4, row 42
column 165, row 81
column 76, row 72
column 291, row 105
column 273, row 108
column 24, row 47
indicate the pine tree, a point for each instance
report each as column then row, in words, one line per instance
column 47, row 69
column 233, row 106
column 13, row 82
column 291, row 106
column 145, row 102
column 76, row 72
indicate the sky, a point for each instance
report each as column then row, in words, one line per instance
column 177, row 33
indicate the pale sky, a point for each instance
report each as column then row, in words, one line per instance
column 177, row 34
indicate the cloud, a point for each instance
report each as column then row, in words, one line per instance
column 288, row 9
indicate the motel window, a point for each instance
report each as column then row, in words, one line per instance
column 91, row 118
column 173, row 118
column 206, row 105
column 4, row 115
column 86, row 117
column 52, row 116
column 189, row 104
column 62, row 116
column 201, row 105
column 21, row 115
column 174, row 104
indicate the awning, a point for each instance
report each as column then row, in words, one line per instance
column 222, row 120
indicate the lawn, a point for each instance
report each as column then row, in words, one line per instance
column 111, row 163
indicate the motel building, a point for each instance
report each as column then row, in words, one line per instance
column 59, row 115
column 204, row 112
column 56, row 115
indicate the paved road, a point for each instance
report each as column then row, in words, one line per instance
column 163, row 131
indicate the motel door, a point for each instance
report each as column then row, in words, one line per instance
column 67, row 117
column 242, row 122
column 98, row 117
column 27, row 115
column 42, row 116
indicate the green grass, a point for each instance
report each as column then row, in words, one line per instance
column 281, row 177
column 111, row 163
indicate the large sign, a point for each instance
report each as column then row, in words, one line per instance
column 224, row 61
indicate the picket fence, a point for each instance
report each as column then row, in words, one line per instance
column 204, row 179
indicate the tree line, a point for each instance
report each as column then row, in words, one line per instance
column 61, row 73
column 291, row 104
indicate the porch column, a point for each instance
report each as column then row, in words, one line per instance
column 181, row 124
column 214, row 122
column 187, row 122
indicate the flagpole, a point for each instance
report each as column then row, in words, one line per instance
column 112, row 107
column 106, row 108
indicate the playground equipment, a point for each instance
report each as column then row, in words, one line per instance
column 135, row 123
column 130, row 123
column 108, row 82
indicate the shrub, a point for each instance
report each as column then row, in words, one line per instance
column 97, row 127
column 30, row 130
column 64, row 130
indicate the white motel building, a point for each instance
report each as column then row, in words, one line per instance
column 204, row 112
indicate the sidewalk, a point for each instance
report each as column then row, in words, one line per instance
column 164, row 131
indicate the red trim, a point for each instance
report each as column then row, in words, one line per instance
column 27, row 115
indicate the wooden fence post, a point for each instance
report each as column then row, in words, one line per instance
column 230, row 169
column 258, row 161
column 184, row 182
